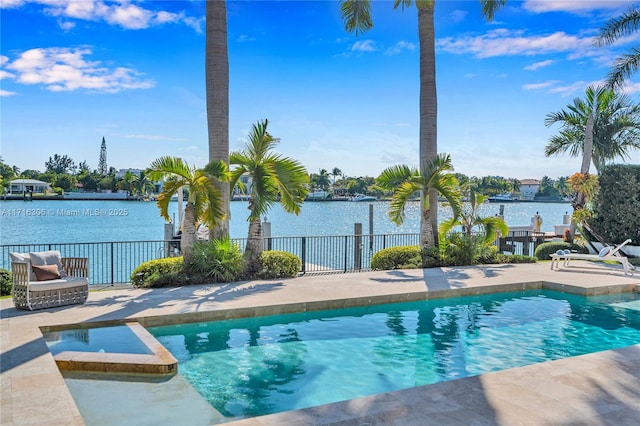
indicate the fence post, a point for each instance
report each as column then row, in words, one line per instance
column 303, row 255
column 357, row 246
column 112, row 263
column 370, row 227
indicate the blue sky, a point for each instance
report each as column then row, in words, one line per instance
column 72, row 72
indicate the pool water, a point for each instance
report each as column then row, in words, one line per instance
column 116, row 339
column 257, row 366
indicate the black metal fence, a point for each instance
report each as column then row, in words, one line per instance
column 113, row 262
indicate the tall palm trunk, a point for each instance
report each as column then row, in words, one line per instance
column 189, row 234
column 217, row 82
column 579, row 200
column 254, row 247
column 428, row 115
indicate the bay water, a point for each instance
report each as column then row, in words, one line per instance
column 72, row 221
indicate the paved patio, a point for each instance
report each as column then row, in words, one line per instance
column 595, row 389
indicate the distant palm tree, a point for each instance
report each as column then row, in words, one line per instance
column 356, row 15
column 405, row 182
column 204, row 203
column 274, row 179
column 616, row 127
column 217, row 95
column 336, row 172
column 626, row 65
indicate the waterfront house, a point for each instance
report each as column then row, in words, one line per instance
column 24, row 186
column 529, row 189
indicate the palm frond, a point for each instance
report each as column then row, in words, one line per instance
column 623, row 68
column 620, row 26
column 393, row 176
column 356, row 15
column 402, row 194
column 490, row 7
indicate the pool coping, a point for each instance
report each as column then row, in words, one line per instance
column 159, row 362
column 29, row 372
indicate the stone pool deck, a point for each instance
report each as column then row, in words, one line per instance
column 595, row 389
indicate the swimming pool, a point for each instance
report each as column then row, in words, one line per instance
column 256, row 366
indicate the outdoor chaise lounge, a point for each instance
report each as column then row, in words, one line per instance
column 607, row 253
column 46, row 280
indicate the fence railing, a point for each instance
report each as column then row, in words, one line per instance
column 113, row 262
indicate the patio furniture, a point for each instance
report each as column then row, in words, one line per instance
column 46, row 280
column 608, row 253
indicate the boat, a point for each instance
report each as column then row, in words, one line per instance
column 502, row 198
column 317, row 195
column 362, row 197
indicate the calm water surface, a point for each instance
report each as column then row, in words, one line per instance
column 47, row 221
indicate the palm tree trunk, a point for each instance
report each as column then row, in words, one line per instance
column 587, row 151
column 254, row 247
column 428, row 111
column 189, row 234
column 427, row 237
column 217, row 86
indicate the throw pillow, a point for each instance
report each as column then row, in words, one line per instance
column 46, row 272
column 23, row 258
column 51, row 257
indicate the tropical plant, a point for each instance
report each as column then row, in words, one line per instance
column 436, row 177
column 204, row 202
column 616, row 28
column 217, row 95
column 472, row 223
column 274, row 179
column 616, row 127
column 356, row 15
column 218, row 261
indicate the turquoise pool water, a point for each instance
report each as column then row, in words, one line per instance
column 116, row 339
column 256, row 366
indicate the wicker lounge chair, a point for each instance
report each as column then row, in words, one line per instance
column 29, row 293
column 606, row 254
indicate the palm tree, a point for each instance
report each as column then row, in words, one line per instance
column 204, row 202
column 274, row 179
column 356, row 15
column 435, row 177
column 470, row 220
column 616, row 28
column 217, row 89
column 335, row 173
column 616, row 127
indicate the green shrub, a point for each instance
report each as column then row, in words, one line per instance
column 279, row 264
column 512, row 258
column 164, row 272
column 401, row 257
column 545, row 250
column 216, row 261
column 5, row 282
column 616, row 206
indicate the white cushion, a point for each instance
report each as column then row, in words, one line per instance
column 24, row 258
column 51, row 257
column 58, row 284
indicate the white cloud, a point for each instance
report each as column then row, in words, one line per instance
column 66, row 25
column 243, row 38
column 364, row 46
column 574, row 6
column 64, row 69
column 458, row 15
column 538, row 65
column 399, row 47
column 538, row 86
column 571, row 89
column 6, row 74
column 3, row 59
column 503, row 42
column 6, row 93
column 124, row 13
